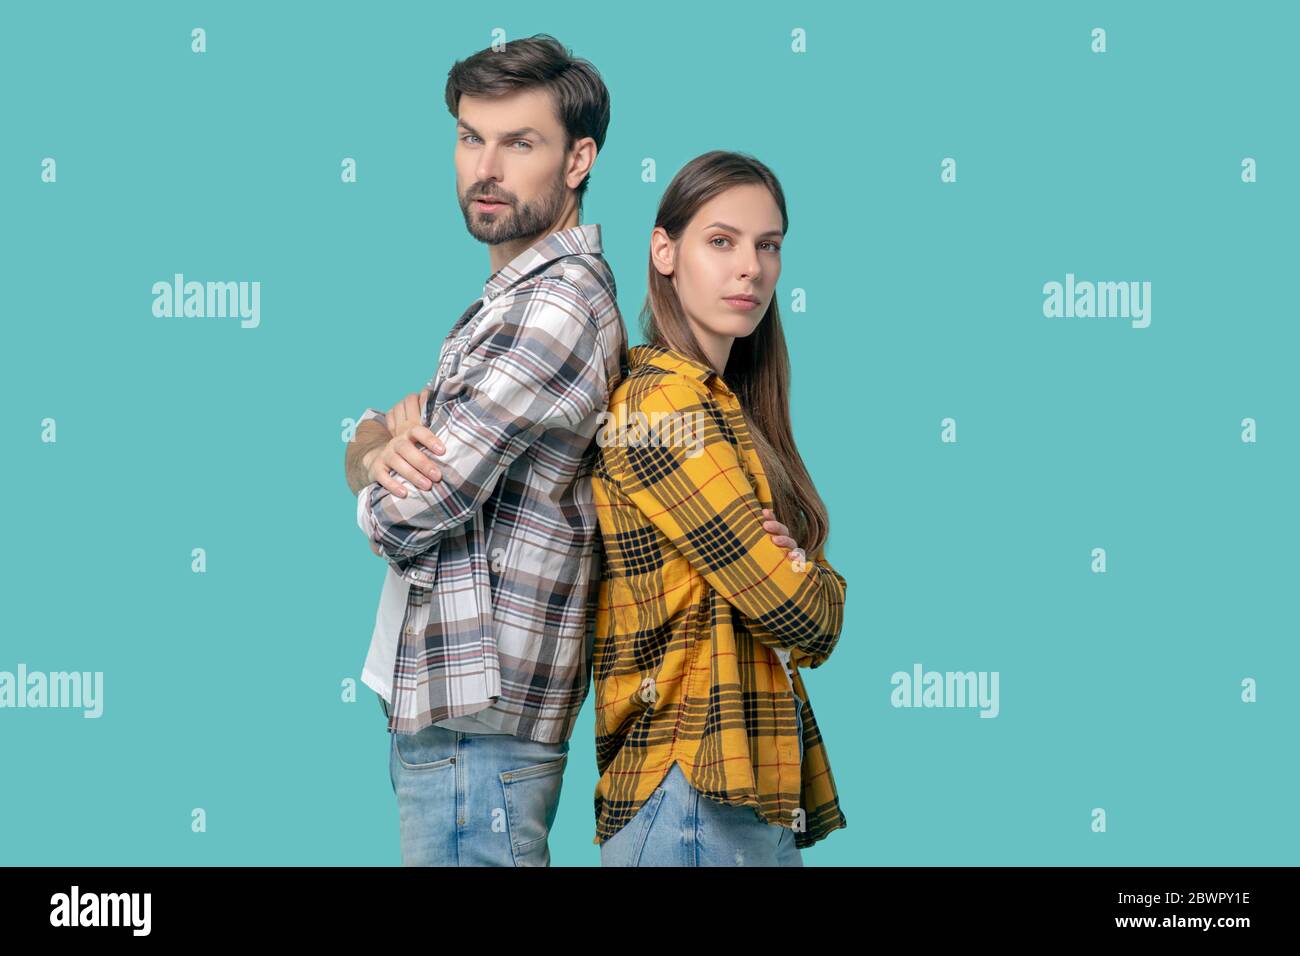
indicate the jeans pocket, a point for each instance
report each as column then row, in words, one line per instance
column 532, row 798
column 432, row 748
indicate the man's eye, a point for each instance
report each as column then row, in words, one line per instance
column 524, row 141
column 468, row 136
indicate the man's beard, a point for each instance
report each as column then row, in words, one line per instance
column 513, row 220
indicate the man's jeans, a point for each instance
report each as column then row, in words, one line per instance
column 467, row 799
column 678, row 826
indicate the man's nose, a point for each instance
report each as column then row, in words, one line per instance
column 489, row 164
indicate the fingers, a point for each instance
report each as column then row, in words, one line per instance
column 771, row 525
column 411, row 464
column 425, row 436
column 779, row 533
column 393, row 460
column 425, row 472
column 391, row 483
column 406, row 410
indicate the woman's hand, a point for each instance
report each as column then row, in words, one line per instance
column 780, row 535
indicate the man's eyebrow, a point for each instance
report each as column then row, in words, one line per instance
column 770, row 232
column 512, row 134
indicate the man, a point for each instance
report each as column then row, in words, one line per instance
column 477, row 492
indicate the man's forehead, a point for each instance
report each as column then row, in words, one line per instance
column 519, row 113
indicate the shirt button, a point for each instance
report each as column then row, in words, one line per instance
column 648, row 692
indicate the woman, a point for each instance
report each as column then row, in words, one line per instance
column 708, row 752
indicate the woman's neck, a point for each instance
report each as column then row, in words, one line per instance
column 716, row 348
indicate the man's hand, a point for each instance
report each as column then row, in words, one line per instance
column 406, row 411
column 402, row 452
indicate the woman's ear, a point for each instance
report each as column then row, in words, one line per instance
column 662, row 250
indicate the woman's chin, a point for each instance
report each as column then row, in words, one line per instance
column 737, row 326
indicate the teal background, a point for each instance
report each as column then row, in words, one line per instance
column 222, row 690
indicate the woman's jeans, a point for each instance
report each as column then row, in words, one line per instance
column 467, row 799
column 679, row 826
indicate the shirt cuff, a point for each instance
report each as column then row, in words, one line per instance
column 366, row 518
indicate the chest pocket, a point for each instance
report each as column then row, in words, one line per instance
column 448, row 380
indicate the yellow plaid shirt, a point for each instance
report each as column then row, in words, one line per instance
column 694, row 596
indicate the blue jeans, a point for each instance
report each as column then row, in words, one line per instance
column 678, row 826
column 468, row 799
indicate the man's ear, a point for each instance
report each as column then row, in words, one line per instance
column 582, row 156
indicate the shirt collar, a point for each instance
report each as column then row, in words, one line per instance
column 673, row 361
column 556, row 245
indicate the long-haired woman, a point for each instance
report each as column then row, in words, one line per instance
column 715, row 587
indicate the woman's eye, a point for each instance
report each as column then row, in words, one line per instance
column 775, row 247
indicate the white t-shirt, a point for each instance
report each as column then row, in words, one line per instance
column 785, row 663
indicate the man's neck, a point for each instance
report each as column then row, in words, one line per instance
column 503, row 254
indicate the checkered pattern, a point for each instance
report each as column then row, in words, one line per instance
column 503, row 554
column 694, row 601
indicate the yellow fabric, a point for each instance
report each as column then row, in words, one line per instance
column 694, row 595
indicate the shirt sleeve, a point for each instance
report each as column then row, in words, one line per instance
column 697, row 493
column 798, row 656
column 538, row 366
column 371, row 415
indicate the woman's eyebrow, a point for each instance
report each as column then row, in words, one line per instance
column 770, row 232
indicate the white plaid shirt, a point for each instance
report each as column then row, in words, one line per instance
column 504, row 553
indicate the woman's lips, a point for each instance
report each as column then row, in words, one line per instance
column 744, row 305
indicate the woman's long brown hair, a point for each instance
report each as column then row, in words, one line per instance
column 758, row 369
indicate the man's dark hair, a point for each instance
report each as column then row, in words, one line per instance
column 579, row 94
